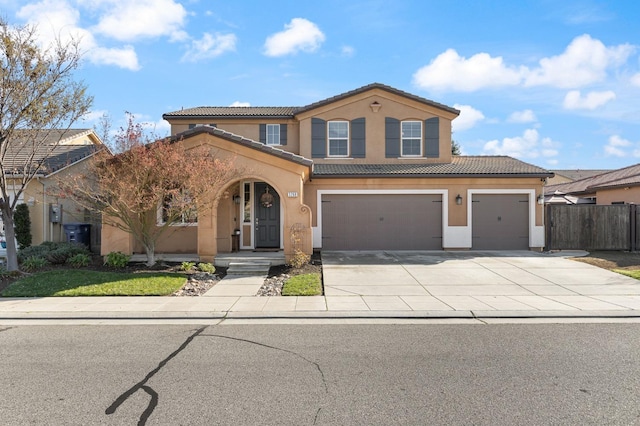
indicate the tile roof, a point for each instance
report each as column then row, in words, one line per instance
column 53, row 157
column 243, row 141
column 213, row 112
column 461, row 166
column 577, row 174
column 627, row 176
column 232, row 112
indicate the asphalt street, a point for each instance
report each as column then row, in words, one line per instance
column 506, row 374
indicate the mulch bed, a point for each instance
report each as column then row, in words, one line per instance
column 612, row 260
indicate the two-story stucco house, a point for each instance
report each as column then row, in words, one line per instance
column 370, row 169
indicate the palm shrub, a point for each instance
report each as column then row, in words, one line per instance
column 22, row 225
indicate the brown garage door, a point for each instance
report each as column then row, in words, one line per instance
column 500, row 222
column 381, row 222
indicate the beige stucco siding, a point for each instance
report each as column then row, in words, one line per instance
column 629, row 195
column 391, row 105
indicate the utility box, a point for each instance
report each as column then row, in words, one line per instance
column 55, row 213
column 78, row 233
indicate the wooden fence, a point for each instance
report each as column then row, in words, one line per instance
column 592, row 227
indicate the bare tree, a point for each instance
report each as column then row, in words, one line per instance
column 37, row 95
column 149, row 186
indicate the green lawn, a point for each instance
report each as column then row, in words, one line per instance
column 630, row 273
column 303, row 285
column 94, row 283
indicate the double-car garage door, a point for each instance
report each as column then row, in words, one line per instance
column 414, row 221
column 382, row 221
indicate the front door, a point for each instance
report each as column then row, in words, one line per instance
column 267, row 217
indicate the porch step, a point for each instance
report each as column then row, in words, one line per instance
column 249, row 268
column 226, row 259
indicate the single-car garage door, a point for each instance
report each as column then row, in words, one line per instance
column 381, row 222
column 500, row 221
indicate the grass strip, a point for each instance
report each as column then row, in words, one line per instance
column 303, row 285
column 94, row 283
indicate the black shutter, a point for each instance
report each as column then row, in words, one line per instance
column 392, row 137
column 318, row 138
column 283, row 134
column 432, row 137
column 358, row 138
column 263, row 133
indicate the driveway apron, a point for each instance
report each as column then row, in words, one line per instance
column 472, row 280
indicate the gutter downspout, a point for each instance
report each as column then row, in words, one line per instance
column 44, row 211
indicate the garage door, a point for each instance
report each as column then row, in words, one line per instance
column 500, row 222
column 381, row 222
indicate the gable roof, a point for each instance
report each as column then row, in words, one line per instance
column 627, row 176
column 54, row 154
column 461, row 166
column 213, row 112
column 381, row 87
column 241, row 140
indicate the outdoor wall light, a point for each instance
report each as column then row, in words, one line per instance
column 540, row 199
column 458, row 199
column 236, row 199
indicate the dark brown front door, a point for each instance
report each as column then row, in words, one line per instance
column 267, row 220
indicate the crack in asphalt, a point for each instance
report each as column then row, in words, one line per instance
column 153, row 403
column 5, row 329
column 317, row 366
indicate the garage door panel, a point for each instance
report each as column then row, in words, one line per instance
column 500, row 221
column 381, row 222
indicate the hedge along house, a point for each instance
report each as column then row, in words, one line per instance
column 370, row 169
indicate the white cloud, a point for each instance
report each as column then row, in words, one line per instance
column 58, row 19
column 585, row 61
column 616, row 145
column 299, row 35
column 210, row 46
column 529, row 145
column 127, row 20
column 240, row 104
column 467, row 119
column 525, row 116
column 347, row 51
column 451, row 71
column 593, row 100
column 635, row 80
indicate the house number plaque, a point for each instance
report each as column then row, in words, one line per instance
column 292, row 194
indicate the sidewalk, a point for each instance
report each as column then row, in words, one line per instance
column 384, row 285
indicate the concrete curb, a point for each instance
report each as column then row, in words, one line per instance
column 221, row 315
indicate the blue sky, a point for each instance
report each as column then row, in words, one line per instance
column 556, row 84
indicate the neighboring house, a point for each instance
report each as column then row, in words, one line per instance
column 48, row 212
column 570, row 175
column 620, row 186
column 370, row 169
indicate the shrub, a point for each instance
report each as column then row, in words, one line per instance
column 187, row 266
column 79, row 260
column 206, row 267
column 61, row 252
column 22, row 225
column 33, row 251
column 299, row 259
column 116, row 259
column 34, row 263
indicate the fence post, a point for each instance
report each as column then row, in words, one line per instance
column 632, row 227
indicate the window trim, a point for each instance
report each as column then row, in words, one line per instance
column 161, row 221
column 420, row 140
column 329, row 139
column 278, row 140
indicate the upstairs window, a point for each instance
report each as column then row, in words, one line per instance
column 411, row 137
column 273, row 134
column 338, row 138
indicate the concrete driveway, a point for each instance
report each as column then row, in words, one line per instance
column 476, row 281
